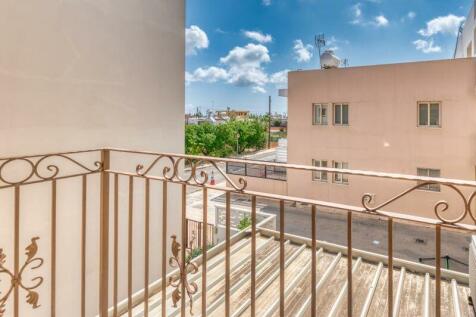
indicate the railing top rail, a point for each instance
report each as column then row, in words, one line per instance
column 331, row 205
column 395, row 176
column 46, row 167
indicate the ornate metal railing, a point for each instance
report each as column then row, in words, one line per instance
column 259, row 171
column 117, row 179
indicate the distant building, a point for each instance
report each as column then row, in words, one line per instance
column 195, row 120
column 466, row 40
column 232, row 114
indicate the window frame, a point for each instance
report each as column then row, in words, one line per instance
column 430, row 187
column 318, row 176
column 340, row 178
column 429, row 103
column 320, row 105
column 340, row 104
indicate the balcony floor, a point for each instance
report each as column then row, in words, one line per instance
column 413, row 293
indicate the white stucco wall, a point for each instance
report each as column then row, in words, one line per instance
column 86, row 74
column 468, row 35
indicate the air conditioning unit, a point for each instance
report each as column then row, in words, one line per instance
column 472, row 267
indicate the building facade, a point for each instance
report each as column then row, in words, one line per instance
column 466, row 40
column 77, row 75
column 413, row 118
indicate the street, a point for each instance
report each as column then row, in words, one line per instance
column 370, row 234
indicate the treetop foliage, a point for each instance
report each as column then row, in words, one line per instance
column 222, row 140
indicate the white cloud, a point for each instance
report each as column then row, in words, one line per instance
column 250, row 55
column 426, row 46
column 359, row 19
column 357, row 13
column 302, row 52
column 241, row 67
column 244, row 76
column 209, row 74
column 258, row 89
column 445, row 25
column 266, row 2
column 334, row 43
column 195, row 39
column 381, row 21
column 279, row 78
column 258, row 36
column 245, row 65
column 409, row 16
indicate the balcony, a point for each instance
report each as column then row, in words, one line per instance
column 100, row 229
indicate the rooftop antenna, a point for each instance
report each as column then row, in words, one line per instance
column 320, row 42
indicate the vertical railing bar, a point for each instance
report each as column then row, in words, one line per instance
column 16, row 260
column 438, row 271
column 253, row 256
column 53, row 248
column 204, row 251
column 349, row 264
column 146, row 247
column 314, row 261
column 129, row 246
column 390, row 266
column 186, row 233
column 199, row 235
column 164, row 249
column 281, row 258
column 116, row 241
column 83, row 244
column 183, row 249
column 104, row 236
column 227, row 254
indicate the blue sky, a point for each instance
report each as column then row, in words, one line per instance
column 238, row 51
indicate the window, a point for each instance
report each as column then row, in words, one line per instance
column 319, row 116
column 339, row 177
column 429, row 172
column 429, row 114
column 341, row 114
column 319, row 176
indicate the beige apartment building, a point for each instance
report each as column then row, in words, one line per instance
column 411, row 118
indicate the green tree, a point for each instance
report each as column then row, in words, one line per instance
column 222, row 140
column 244, row 223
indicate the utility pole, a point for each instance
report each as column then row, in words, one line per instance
column 269, row 122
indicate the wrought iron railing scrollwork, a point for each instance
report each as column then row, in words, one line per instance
column 197, row 175
column 37, row 171
column 185, row 267
column 439, row 207
column 16, row 281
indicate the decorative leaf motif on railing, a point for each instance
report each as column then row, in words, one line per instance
column 32, row 263
column 184, row 269
column 439, row 208
column 35, row 170
column 199, row 179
